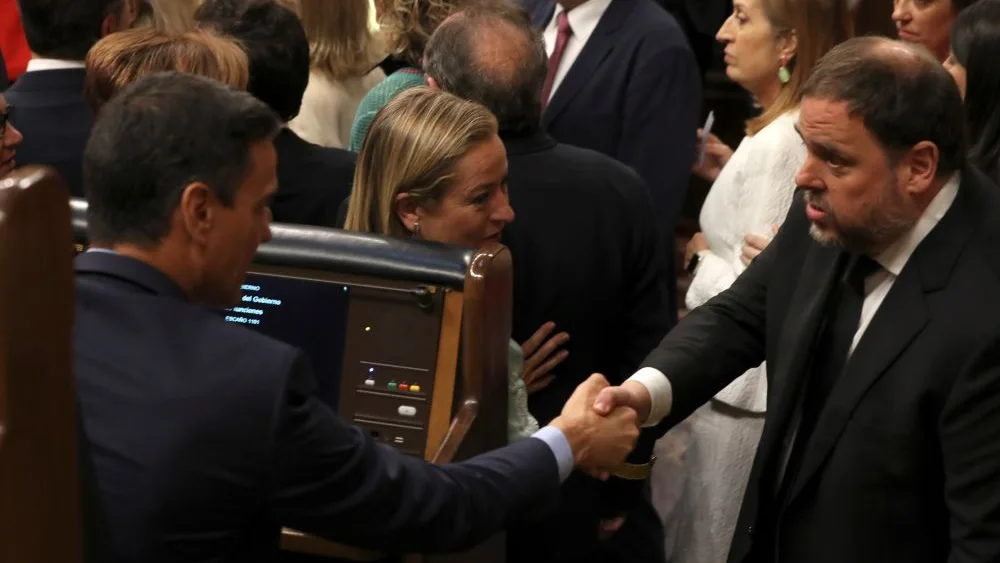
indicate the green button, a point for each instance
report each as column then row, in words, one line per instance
column 392, row 385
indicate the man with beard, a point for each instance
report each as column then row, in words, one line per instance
column 875, row 309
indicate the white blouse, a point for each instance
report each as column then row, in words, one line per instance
column 753, row 192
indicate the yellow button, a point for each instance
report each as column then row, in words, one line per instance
column 415, row 388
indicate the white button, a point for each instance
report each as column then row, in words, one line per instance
column 370, row 382
column 406, row 410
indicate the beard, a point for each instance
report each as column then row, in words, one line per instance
column 877, row 226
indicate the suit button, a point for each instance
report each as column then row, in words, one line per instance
column 750, row 530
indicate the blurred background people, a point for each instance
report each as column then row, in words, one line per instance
column 122, row 58
column 10, row 138
column 928, row 22
column 975, row 42
column 771, row 47
column 313, row 181
column 343, row 56
column 47, row 101
column 407, row 25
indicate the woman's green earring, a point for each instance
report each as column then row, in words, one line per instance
column 783, row 75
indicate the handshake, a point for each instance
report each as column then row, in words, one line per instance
column 601, row 428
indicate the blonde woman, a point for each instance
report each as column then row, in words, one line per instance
column 433, row 167
column 771, row 47
column 122, row 58
column 343, row 54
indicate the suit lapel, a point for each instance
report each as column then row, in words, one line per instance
column 899, row 319
column 599, row 46
column 798, row 337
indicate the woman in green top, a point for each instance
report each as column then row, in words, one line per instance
column 434, row 168
column 407, row 26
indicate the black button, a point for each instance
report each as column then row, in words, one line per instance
column 750, row 530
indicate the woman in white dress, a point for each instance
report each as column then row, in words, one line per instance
column 771, row 47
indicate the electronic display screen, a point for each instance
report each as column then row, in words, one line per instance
column 308, row 314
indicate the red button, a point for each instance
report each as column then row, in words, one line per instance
column 403, row 387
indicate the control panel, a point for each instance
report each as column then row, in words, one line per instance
column 390, row 361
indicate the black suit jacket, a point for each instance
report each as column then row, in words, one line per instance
column 588, row 256
column 50, row 111
column 206, row 437
column 634, row 94
column 312, row 181
column 904, row 462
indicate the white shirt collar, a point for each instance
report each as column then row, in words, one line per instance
column 583, row 19
column 51, row 64
column 895, row 257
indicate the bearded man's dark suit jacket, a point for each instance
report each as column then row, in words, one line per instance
column 904, row 462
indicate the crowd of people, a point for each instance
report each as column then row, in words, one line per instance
column 832, row 394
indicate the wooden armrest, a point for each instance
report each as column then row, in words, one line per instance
column 312, row 545
column 459, row 428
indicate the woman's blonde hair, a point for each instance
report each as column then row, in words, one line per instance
column 818, row 25
column 412, row 147
column 174, row 16
column 122, row 58
column 341, row 45
column 409, row 24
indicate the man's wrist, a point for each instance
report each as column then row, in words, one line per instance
column 577, row 435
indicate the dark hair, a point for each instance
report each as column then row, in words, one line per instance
column 276, row 45
column 960, row 5
column 156, row 137
column 65, row 29
column 975, row 40
column 492, row 55
column 902, row 98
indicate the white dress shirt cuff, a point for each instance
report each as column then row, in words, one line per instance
column 661, row 395
column 560, row 447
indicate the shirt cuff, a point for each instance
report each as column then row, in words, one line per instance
column 661, row 394
column 557, row 442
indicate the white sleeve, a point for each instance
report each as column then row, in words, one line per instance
column 712, row 276
column 661, row 394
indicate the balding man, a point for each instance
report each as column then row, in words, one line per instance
column 875, row 308
column 587, row 257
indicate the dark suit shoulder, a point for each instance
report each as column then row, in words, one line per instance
column 655, row 28
column 591, row 170
column 134, row 332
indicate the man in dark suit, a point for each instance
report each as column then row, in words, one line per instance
column 874, row 309
column 623, row 81
column 206, row 436
column 588, row 256
column 312, row 180
column 48, row 103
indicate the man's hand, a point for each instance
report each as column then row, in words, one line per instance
column 599, row 441
column 631, row 394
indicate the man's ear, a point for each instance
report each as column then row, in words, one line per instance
column 198, row 211
column 121, row 20
column 408, row 211
column 431, row 83
column 921, row 163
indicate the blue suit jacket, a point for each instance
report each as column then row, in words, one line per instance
column 48, row 107
column 634, row 94
column 207, row 438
